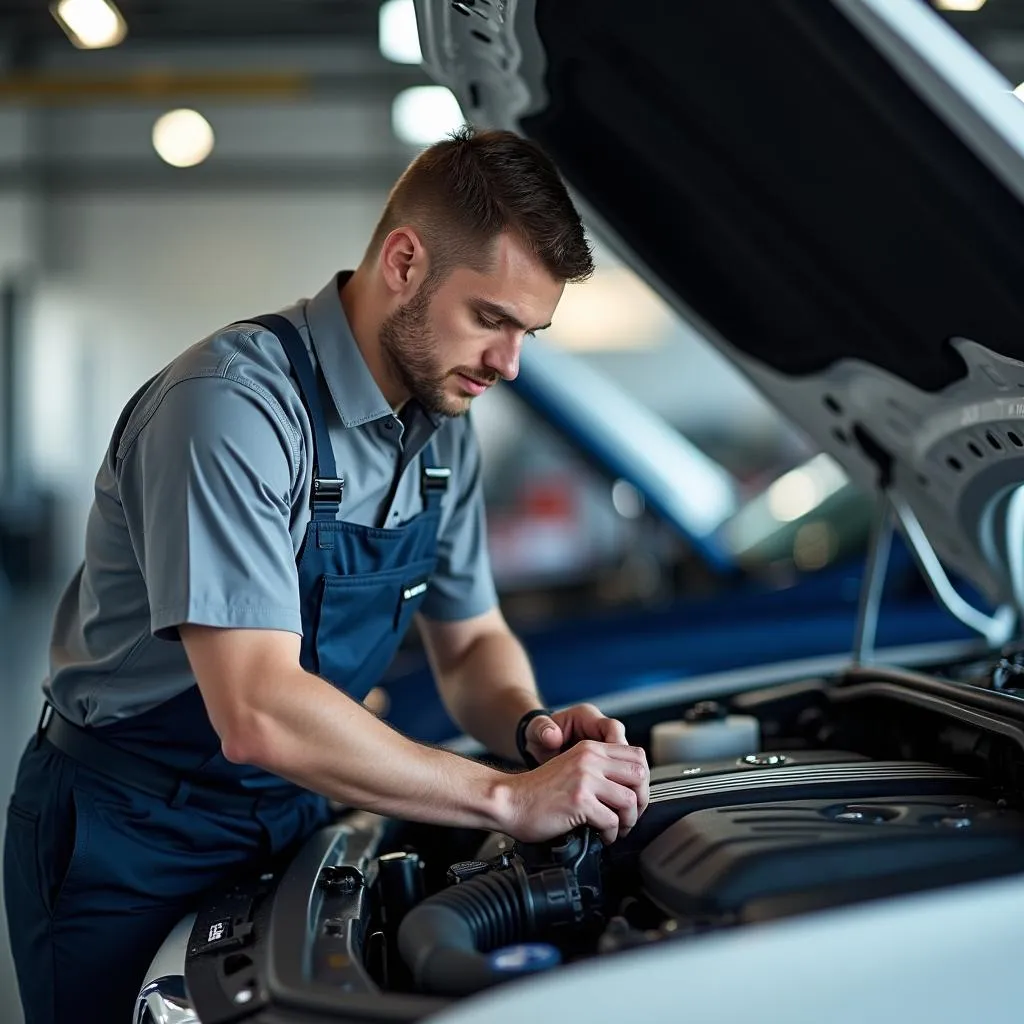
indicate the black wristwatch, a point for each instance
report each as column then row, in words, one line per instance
column 528, row 759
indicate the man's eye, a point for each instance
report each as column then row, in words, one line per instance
column 490, row 325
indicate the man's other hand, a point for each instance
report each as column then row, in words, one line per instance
column 547, row 735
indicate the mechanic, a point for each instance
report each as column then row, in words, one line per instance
column 273, row 508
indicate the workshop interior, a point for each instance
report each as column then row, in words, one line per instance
column 756, row 492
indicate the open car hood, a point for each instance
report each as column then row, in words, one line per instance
column 831, row 190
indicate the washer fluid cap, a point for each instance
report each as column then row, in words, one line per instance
column 524, row 958
column 705, row 711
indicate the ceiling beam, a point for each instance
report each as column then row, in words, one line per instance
column 57, row 177
column 68, row 90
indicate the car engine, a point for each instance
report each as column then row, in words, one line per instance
column 868, row 786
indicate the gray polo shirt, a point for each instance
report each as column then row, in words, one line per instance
column 202, row 501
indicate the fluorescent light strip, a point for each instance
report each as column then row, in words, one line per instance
column 398, row 37
column 960, row 5
column 90, row 24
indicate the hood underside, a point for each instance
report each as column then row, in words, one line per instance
column 829, row 189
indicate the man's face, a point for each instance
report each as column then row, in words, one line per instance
column 451, row 345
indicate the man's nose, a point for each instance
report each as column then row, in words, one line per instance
column 503, row 357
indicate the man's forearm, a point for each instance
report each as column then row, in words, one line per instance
column 304, row 730
column 490, row 689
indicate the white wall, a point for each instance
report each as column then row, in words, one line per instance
column 18, row 216
column 19, row 208
column 142, row 278
column 157, row 273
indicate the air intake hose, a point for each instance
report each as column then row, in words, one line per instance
column 443, row 939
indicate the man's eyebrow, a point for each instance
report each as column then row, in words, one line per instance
column 500, row 313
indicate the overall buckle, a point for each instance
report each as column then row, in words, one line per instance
column 328, row 491
column 434, row 480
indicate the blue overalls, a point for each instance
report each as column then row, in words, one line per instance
column 97, row 870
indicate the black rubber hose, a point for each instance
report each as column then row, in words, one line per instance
column 443, row 938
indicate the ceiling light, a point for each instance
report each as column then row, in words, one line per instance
column 793, row 496
column 425, row 114
column 803, row 489
column 397, row 35
column 90, row 24
column 1019, row 91
column 960, row 5
column 183, row 138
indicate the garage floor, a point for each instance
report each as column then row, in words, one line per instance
column 24, row 631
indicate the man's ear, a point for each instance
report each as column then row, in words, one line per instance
column 403, row 262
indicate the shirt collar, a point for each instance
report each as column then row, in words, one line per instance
column 353, row 389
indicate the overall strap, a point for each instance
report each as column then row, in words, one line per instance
column 327, row 485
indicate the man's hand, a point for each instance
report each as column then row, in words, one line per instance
column 604, row 785
column 546, row 735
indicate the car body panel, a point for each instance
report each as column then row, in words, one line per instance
column 910, row 958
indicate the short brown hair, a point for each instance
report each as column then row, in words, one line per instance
column 462, row 192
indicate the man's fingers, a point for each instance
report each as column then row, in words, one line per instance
column 621, row 799
column 605, row 820
column 633, row 776
column 605, row 784
column 625, row 773
column 546, row 732
column 622, row 752
column 643, row 796
column 624, row 765
column 611, row 730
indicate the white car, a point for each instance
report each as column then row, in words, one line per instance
column 833, row 192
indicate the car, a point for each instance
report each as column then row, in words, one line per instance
column 833, row 192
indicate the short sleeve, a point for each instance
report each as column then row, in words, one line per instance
column 463, row 585
column 206, row 489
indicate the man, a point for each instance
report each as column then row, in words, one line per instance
column 273, row 509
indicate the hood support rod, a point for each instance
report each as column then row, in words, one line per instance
column 873, row 583
column 997, row 629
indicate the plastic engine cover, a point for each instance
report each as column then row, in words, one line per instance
column 772, row 859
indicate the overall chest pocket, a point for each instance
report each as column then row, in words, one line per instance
column 361, row 621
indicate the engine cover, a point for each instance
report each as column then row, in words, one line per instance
column 772, row 859
column 677, row 790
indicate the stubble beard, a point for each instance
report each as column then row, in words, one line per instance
column 410, row 351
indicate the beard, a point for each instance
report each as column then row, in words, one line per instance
column 412, row 353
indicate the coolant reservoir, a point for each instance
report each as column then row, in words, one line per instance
column 706, row 733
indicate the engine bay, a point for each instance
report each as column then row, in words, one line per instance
column 867, row 786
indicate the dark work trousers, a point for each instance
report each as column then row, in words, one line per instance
column 96, row 874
